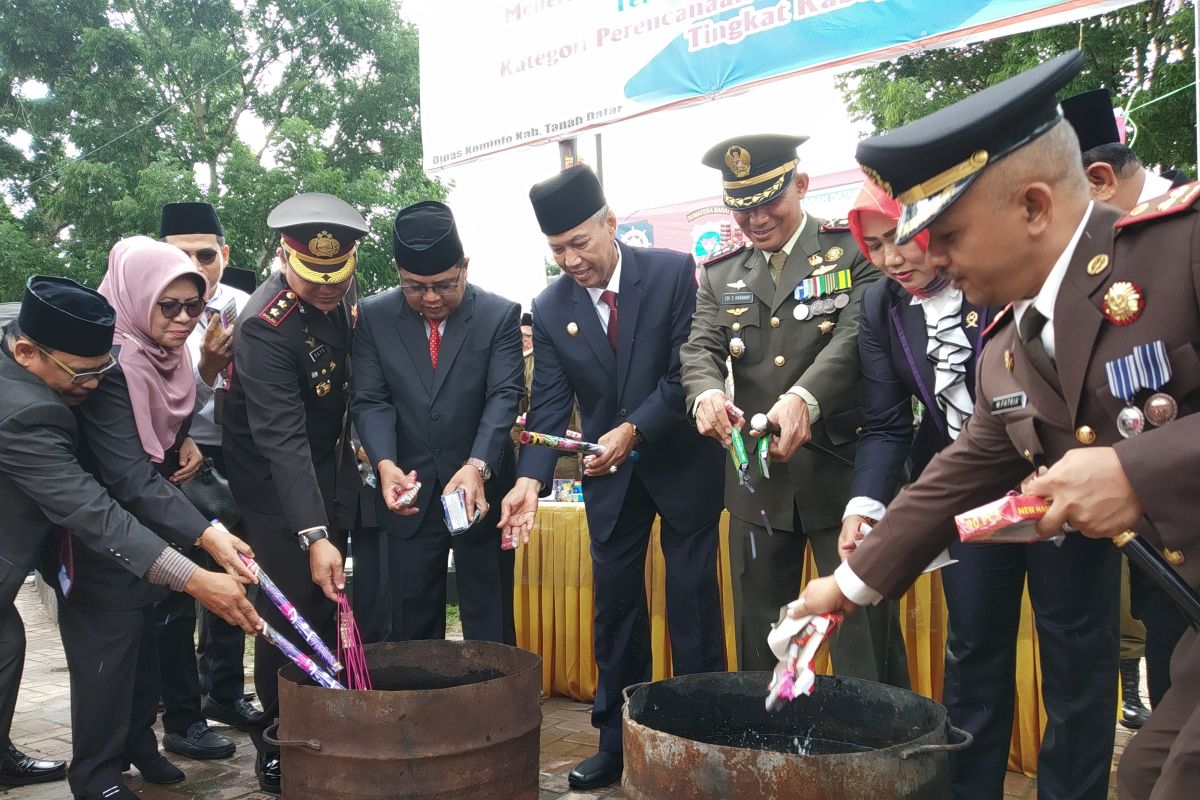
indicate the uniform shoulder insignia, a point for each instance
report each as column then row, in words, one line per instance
column 836, row 225
column 999, row 321
column 1176, row 200
column 723, row 253
column 280, row 306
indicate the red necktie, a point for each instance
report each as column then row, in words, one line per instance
column 435, row 341
column 609, row 298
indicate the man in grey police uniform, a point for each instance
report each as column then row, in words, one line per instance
column 784, row 308
column 286, row 433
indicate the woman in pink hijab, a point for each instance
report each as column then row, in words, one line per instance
column 133, row 437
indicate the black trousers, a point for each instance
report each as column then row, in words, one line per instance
column 1165, row 624
column 370, row 593
column 622, row 622
column 1074, row 591
column 175, row 626
column 278, row 552
column 113, row 664
column 221, row 646
column 12, row 666
column 417, row 580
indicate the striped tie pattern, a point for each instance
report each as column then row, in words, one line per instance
column 949, row 350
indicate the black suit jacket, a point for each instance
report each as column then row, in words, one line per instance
column 638, row 383
column 43, row 487
column 891, row 342
column 433, row 421
column 110, row 449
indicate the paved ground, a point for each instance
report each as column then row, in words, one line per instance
column 42, row 727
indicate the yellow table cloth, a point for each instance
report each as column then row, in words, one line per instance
column 554, row 609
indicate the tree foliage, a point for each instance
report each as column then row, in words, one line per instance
column 241, row 103
column 1140, row 53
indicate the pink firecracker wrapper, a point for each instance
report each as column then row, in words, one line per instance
column 1010, row 519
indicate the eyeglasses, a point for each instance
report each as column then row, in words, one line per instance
column 205, row 255
column 171, row 308
column 77, row 377
column 441, row 288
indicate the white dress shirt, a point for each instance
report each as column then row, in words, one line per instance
column 204, row 428
column 614, row 285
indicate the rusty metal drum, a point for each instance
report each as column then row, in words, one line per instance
column 709, row 737
column 446, row 720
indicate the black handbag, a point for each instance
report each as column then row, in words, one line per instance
column 210, row 494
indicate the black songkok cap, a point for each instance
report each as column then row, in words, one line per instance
column 244, row 279
column 527, row 320
column 928, row 164
column 564, row 201
column 425, row 239
column 754, row 169
column 1091, row 115
column 59, row 314
column 184, row 218
column 320, row 236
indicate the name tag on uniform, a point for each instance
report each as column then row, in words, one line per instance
column 1008, row 402
column 319, row 353
column 737, row 298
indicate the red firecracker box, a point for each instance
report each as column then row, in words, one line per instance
column 1009, row 519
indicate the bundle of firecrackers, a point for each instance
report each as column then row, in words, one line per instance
column 795, row 643
column 1010, row 519
column 350, row 644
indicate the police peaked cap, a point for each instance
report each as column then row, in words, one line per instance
column 929, row 163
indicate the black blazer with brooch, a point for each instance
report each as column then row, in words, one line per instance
column 895, row 368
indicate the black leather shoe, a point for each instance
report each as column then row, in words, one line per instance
column 200, row 741
column 599, row 770
column 18, row 769
column 236, row 715
column 267, row 768
column 159, row 770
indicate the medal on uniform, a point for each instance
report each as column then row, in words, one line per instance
column 821, row 294
column 1123, row 302
column 737, row 348
column 1123, row 383
column 1153, row 372
column 814, row 259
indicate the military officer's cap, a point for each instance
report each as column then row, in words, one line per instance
column 1091, row 115
column 928, row 164
column 564, row 201
column 320, row 236
column 425, row 239
column 59, row 314
column 754, row 169
column 187, row 218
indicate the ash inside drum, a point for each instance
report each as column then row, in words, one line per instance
column 838, row 718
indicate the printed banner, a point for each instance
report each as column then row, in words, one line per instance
column 500, row 74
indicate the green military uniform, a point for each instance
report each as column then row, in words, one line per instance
column 798, row 331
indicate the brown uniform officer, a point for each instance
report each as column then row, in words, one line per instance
column 996, row 180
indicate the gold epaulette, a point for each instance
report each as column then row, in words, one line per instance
column 279, row 307
column 1002, row 317
column 1177, row 199
column 725, row 252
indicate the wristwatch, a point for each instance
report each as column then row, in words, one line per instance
column 481, row 465
column 637, row 434
column 310, row 535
